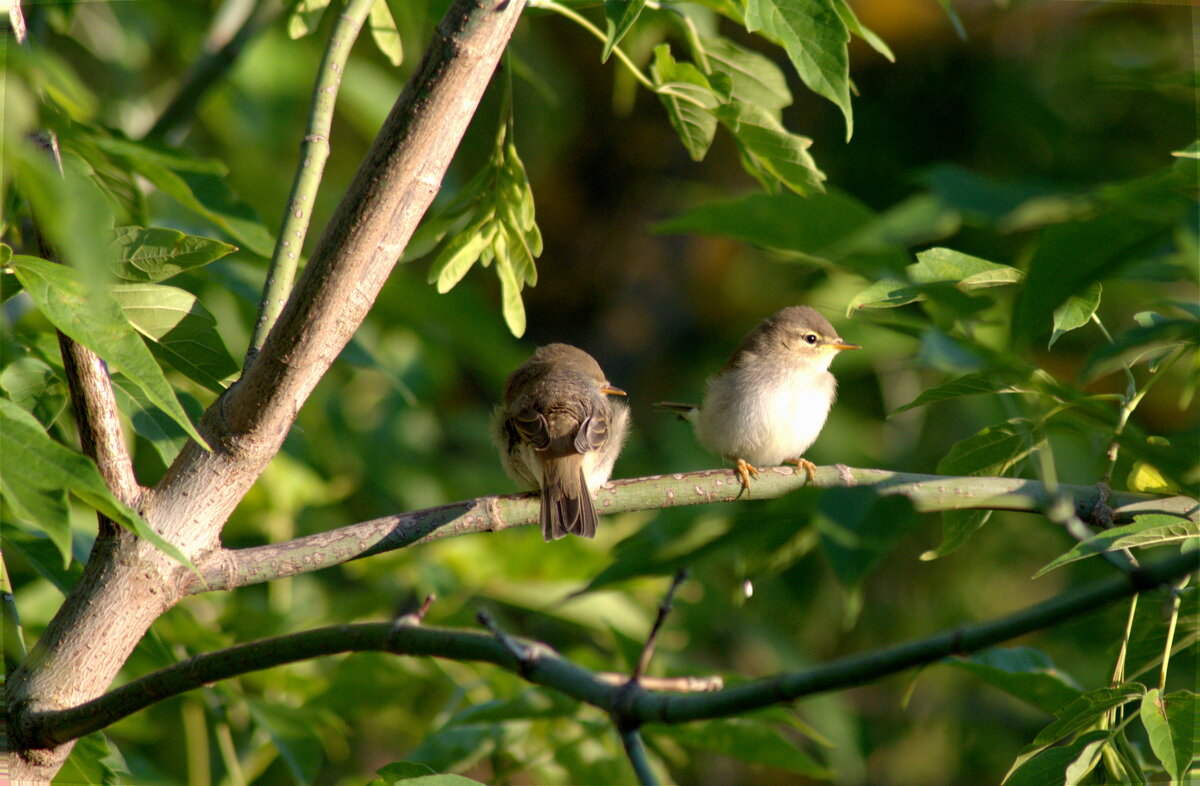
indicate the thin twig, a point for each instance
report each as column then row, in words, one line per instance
column 314, row 152
column 664, row 609
column 551, row 670
column 667, row 684
column 1173, row 595
column 508, row 642
column 636, row 751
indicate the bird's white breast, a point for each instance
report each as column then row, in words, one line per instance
column 765, row 418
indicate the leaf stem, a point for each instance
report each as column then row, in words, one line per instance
column 314, row 152
column 1174, row 618
column 586, row 24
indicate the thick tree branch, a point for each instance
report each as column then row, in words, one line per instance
column 227, row 569
column 540, row 665
column 127, row 585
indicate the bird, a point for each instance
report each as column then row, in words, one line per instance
column 559, row 434
column 770, row 401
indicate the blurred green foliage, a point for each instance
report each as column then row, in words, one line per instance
column 998, row 192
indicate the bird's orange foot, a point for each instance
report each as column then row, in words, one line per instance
column 744, row 470
column 809, row 468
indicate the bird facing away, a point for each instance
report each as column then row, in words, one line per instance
column 559, row 433
column 769, row 402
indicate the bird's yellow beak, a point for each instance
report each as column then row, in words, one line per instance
column 612, row 391
column 843, row 345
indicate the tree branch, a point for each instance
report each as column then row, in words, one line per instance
column 314, row 152
column 228, row 569
column 540, row 665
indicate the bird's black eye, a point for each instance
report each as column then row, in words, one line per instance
column 811, row 338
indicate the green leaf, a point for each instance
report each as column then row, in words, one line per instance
column 181, row 332
column 1150, row 529
column 306, row 17
column 779, row 153
column 93, row 761
column 443, row 779
column 689, row 100
column 1085, row 711
column 206, row 194
column 1062, row 766
column 967, row 385
column 747, row 739
column 156, row 254
column 98, row 323
column 993, row 451
column 858, row 528
column 384, row 32
column 938, row 265
column 510, row 290
column 815, row 38
column 1171, row 724
column 1076, row 311
column 619, row 16
column 754, row 78
column 35, row 387
column 461, row 253
column 149, row 422
column 885, row 293
column 862, row 31
column 37, row 473
column 1023, row 672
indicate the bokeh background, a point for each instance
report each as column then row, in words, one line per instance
column 1038, row 96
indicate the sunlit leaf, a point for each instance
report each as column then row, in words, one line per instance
column 37, row 473
column 754, row 79
column 619, row 16
column 862, row 31
column 815, row 38
column 1171, row 724
column 963, row 270
column 1149, row 529
column 689, row 100
column 155, row 254
column 181, row 332
column 460, row 254
column 1076, row 311
column 97, row 322
column 510, row 292
column 305, row 17
column 771, row 147
column 384, row 32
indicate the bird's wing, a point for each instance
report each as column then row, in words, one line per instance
column 531, row 427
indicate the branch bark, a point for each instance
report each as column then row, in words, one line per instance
column 127, row 584
column 540, row 665
column 228, row 569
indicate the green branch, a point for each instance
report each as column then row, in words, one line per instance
column 314, row 152
column 630, row 705
column 228, row 569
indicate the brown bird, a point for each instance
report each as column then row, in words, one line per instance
column 559, row 433
column 769, row 402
